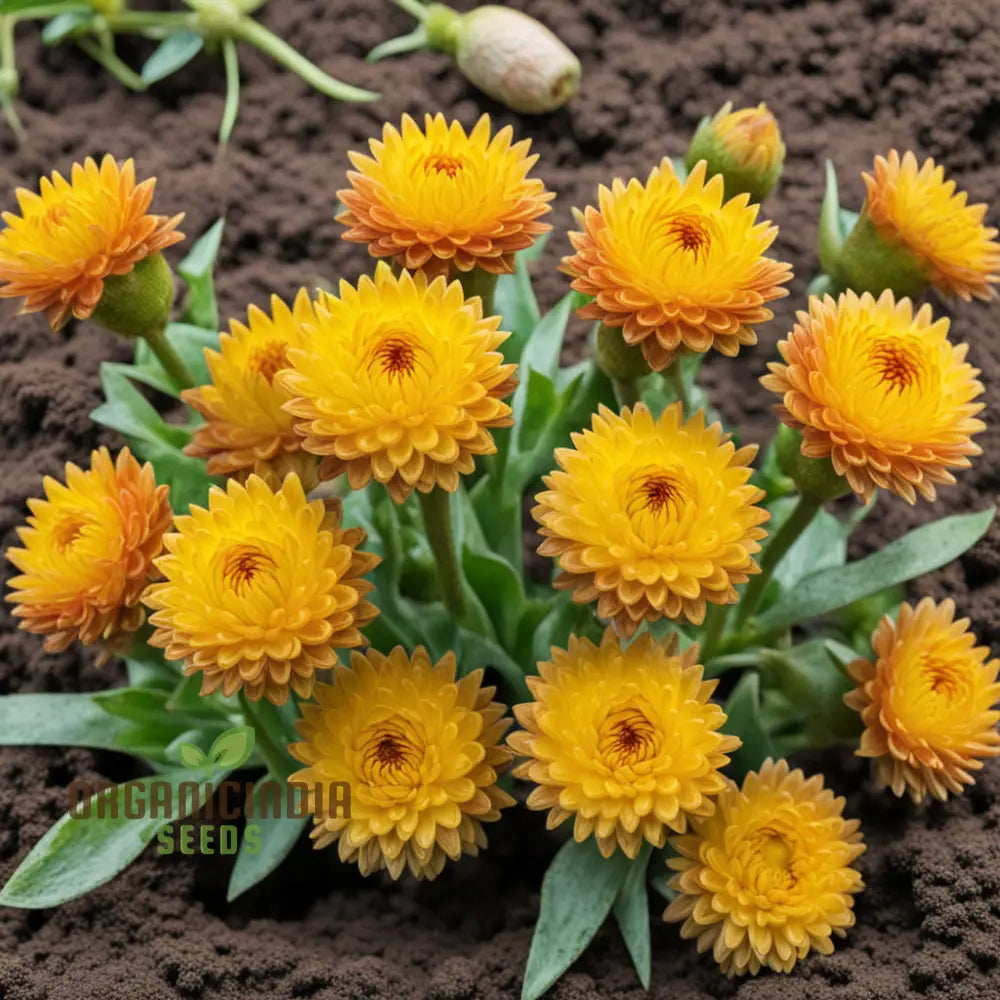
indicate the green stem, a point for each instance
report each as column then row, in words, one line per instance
column 676, row 375
column 481, row 283
column 712, row 631
column 38, row 13
column 250, row 31
column 230, row 58
column 436, row 509
column 140, row 21
column 800, row 518
column 276, row 760
column 8, row 69
column 171, row 361
column 413, row 7
column 112, row 64
column 626, row 391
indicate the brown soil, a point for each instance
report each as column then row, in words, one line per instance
column 847, row 79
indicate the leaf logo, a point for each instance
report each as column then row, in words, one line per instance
column 230, row 750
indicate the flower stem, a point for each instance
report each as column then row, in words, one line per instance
column 675, row 374
column 275, row 759
column 231, row 108
column 481, row 283
column 714, row 627
column 800, row 518
column 413, row 7
column 250, row 31
column 171, row 361
column 125, row 74
column 626, row 391
column 436, row 509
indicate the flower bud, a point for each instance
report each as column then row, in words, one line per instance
column 744, row 146
column 870, row 262
column 510, row 56
column 137, row 304
column 617, row 359
column 816, row 478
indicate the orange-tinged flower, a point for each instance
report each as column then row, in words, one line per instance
column 420, row 752
column 74, row 234
column 246, row 429
column 260, row 590
column 625, row 740
column 400, row 380
column 674, row 265
column 768, row 877
column 442, row 200
column 88, row 553
column 881, row 391
column 914, row 206
column 651, row 518
column 927, row 702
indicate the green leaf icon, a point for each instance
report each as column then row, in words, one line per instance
column 233, row 747
column 191, row 755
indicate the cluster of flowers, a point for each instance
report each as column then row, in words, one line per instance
column 400, row 380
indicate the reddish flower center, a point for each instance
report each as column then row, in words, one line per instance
column 243, row 564
column 688, row 232
column 944, row 678
column 443, row 163
column 391, row 753
column 895, row 365
column 269, row 359
column 656, row 491
column 395, row 356
column 627, row 737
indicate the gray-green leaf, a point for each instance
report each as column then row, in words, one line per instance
column 631, row 910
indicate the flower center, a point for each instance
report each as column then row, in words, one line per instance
column 391, row 753
column 67, row 531
column 243, row 564
column 771, row 863
column 688, row 232
column 269, row 359
column 944, row 678
column 55, row 215
column 443, row 163
column 626, row 737
column 895, row 365
column 395, row 356
column 656, row 491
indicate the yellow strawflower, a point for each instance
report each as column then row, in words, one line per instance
column 927, row 702
column 441, row 200
column 915, row 210
column 623, row 740
column 87, row 553
column 400, row 380
column 768, row 877
column 421, row 753
column 674, row 265
column 651, row 518
column 881, row 391
column 246, row 429
column 72, row 235
column 260, row 590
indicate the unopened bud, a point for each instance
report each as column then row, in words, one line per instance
column 617, row 359
column 137, row 304
column 510, row 56
column 815, row 478
column 872, row 262
column 744, row 146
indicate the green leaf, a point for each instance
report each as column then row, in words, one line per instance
column 744, row 721
column 191, row 756
column 631, row 910
column 542, row 350
column 821, row 546
column 514, row 299
column 127, row 411
column 146, row 667
column 233, row 748
column 276, row 835
column 920, row 551
column 65, row 24
column 175, row 51
column 46, row 720
column 77, row 855
column 577, row 894
column 14, row 6
column 500, row 589
column 835, row 223
column 196, row 271
column 475, row 651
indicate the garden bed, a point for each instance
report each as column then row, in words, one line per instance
column 846, row 79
